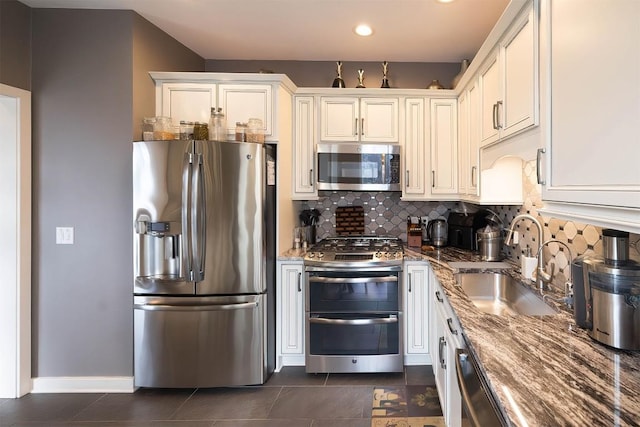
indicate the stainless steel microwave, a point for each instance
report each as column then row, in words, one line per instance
column 358, row 167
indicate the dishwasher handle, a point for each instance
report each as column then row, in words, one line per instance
column 477, row 418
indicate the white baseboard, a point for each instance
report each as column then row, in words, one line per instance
column 83, row 385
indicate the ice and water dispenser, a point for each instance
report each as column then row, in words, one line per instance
column 159, row 250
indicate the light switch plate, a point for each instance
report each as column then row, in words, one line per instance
column 64, row 235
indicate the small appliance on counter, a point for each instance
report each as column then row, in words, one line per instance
column 463, row 228
column 607, row 293
column 437, row 232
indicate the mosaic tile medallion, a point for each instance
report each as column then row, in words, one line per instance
column 406, row 406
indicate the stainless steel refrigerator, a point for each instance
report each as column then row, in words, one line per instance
column 204, row 263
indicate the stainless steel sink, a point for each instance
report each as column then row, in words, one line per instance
column 500, row 294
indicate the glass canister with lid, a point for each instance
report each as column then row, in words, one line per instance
column 255, row 131
column 217, row 125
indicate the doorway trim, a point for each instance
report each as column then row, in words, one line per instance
column 15, row 245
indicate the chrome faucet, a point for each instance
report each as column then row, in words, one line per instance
column 542, row 278
column 568, row 287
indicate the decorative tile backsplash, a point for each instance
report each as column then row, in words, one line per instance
column 386, row 214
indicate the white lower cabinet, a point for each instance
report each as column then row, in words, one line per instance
column 416, row 313
column 444, row 342
column 289, row 314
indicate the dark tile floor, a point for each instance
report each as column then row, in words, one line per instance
column 291, row 398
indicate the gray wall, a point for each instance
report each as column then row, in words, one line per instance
column 404, row 75
column 154, row 50
column 15, row 44
column 85, row 68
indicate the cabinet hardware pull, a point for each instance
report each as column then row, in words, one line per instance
column 407, row 183
column 362, row 126
column 433, row 179
column 498, row 124
column 495, row 109
column 539, row 154
column 439, row 297
column 356, row 127
column 441, row 344
column 473, row 176
column 299, row 282
column 450, row 324
column 310, row 176
column 409, row 276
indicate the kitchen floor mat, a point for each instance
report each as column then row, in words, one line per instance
column 406, row 406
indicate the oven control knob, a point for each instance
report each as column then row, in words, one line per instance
column 320, row 255
column 378, row 255
column 311, row 255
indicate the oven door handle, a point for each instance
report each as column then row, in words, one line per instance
column 358, row 322
column 382, row 279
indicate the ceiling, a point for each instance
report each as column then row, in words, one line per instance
column 315, row 30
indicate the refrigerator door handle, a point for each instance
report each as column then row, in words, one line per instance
column 187, row 166
column 197, row 219
column 196, row 307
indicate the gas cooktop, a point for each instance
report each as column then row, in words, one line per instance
column 354, row 251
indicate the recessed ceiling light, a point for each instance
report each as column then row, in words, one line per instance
column 444, row 1
column 363, row 30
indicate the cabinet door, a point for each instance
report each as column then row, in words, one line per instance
column 490, row 102
column 464, row 175
column 519, row 63
column 594, row 143
column 444, row 147
column 414, row 148
column 440, row 363
column 416, row 314
column 473, row 165
column 241, row 102
column 304, row 148
column 379, row 120
column 339, row 119
column 290, row 309
column 187, row 101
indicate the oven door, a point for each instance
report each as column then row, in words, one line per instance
column 353, row 292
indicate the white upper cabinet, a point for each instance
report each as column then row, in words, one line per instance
column 592, row 114
column 241, row 102
column 508, row 81
column 352, row 119
column 444, row 147
column 190, row 97
column 304, row 169
column 187, row 101
column 415, row 149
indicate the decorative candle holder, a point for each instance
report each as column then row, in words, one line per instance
column 385, row 81
column 360, row 79
column 338, row 82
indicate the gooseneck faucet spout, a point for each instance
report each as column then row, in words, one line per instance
column 541, row 277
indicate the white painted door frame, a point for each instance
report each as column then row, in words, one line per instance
column 15, row 242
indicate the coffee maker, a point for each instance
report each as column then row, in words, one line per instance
column 607, row 293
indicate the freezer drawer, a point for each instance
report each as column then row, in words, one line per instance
column 199, row 341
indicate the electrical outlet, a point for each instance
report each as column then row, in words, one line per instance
column 64, row 235
column 424, row 220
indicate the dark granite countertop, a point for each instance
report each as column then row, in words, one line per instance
column 545, row 370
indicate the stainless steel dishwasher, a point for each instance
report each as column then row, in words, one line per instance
column 479, row 406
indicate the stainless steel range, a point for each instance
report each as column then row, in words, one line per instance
column 353, row 305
